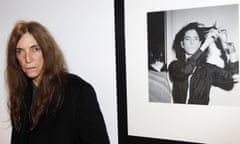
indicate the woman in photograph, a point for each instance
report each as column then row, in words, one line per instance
column 204, row 58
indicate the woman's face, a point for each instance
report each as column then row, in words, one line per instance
column 30, row 57
column 191, row 42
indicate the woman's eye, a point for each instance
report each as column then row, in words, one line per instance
column 18, row 51
column 35, row 49
column 196, row 38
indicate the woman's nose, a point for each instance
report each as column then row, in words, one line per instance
column 191, row 41
column 28, row 57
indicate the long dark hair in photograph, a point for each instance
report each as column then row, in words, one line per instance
column 202, row 32
column 49, row 94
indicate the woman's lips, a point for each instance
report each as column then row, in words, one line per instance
column 30, row 68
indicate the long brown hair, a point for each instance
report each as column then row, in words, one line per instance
column 50, row 89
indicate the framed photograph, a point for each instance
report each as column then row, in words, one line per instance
column 167, row 91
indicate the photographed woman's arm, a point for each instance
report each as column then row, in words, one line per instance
column 224, row 77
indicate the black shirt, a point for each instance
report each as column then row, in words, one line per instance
column 78, row 121
column 203, row 76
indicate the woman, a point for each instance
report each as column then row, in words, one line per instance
column 192, row 73
column 47, row 104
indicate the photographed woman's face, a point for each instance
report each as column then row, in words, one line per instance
column 191, row 42
column 30, row 57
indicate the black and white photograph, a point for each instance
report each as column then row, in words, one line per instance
column 182, row 71
column 193, row 55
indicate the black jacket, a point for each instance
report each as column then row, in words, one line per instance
column 203, row 76
column 78, row 121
